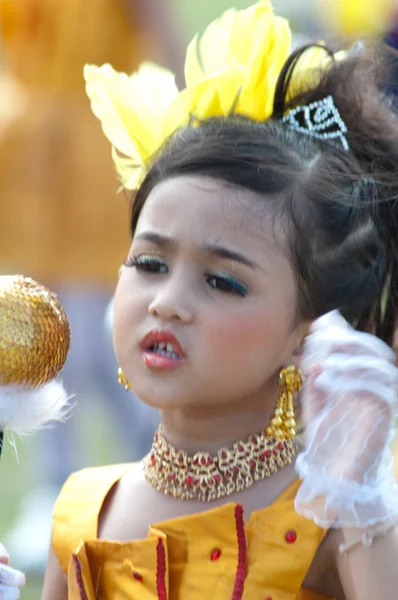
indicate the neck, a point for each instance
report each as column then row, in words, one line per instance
column 210, row 428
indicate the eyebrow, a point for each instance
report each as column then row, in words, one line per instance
column 163, row 241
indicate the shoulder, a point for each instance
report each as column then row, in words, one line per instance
column 79, row 505
column 128, row 508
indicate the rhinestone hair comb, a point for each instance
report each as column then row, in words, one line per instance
column 320, row 120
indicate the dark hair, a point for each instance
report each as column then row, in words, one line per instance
column 337, row 208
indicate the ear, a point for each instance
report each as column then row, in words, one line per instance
column 302, row 331
column 298, row 351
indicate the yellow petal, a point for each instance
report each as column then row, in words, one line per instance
column 131, row 109
column 230, row 88
column 194, row 103
column 207, row 55
column 249, row 34
column 246, row 49
column 228, row 41
column 108, row 92
column 131, row 172
column 264, row 69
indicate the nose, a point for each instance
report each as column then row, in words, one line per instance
column 173, row 301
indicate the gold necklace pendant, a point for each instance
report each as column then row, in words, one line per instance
column 207, row 477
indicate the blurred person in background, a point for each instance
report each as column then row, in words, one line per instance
column 356, row 18
column 57, row 192
column 353, row 18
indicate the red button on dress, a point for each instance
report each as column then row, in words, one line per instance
column 291, row 537
column 215, row 555
column 137, row 576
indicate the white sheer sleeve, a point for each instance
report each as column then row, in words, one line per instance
column 349, row 409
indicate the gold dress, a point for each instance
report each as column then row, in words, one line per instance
column 199, row 556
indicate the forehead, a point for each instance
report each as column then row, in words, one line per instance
column 193, row 209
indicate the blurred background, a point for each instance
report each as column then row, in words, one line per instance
column 63, row 223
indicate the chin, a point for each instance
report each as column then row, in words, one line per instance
column 164, row 401
column 164, row 394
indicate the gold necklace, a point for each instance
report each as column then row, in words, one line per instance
column 207, row 477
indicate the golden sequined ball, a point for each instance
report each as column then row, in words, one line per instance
column 34, row 332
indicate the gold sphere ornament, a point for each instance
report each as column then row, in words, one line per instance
column 34, row 332
column 34, row 344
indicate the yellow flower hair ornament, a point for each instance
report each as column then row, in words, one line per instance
column 233, row 67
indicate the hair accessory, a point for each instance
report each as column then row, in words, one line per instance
column 320, row 120
column 207, row 477
column 122, row 379
column 232, row 69
column 368, row 537
column 283, row 424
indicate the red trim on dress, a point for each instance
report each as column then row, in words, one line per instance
column 79, row 578
column 242, row 554
column 161, row 570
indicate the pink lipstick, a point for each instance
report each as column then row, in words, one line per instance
column 161, row 350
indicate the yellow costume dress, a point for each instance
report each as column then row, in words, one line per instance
column 187, row 558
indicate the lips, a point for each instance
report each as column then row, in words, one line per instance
column 161, row 350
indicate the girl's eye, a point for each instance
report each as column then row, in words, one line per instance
column 147, row 264
column 227, row 284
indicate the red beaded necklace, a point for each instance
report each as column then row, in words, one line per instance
column 207, row 477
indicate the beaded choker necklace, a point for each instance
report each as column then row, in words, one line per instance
column 207, row 477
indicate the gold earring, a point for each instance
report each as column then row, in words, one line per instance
column 283, row 424
column 122, row 379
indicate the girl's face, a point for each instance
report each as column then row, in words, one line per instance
column 205, row 306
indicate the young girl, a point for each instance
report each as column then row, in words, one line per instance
column 268, row 208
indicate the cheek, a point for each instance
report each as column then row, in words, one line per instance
column 118, row 320
column 246, row 335
column 125, row 314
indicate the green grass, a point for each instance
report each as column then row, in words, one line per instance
column 33, row 590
